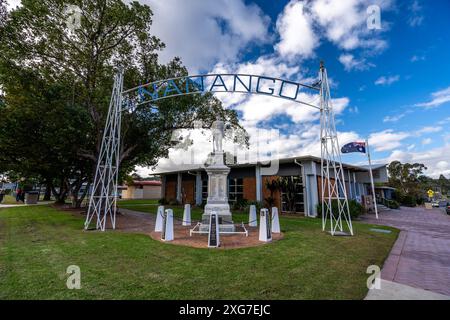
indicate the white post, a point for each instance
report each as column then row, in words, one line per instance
column 213, row 235
column 167, row 234
column 275, row 220
column 187, row 215
column 252, row 221
column 258, row 179
column 159, row 219
column 265, row 232
column 371, row 179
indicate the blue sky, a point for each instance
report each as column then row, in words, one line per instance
column 391, row 86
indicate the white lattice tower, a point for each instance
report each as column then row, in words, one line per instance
column 332, row 173
column 103, row 197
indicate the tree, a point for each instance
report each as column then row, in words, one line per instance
column 38, row 43
column 3, row 13
column 406, row 178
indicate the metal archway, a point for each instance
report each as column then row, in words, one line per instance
column 103, row 198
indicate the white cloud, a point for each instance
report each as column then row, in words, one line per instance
column 438, row 98
column 205, row 32
column 416, row 58
column 430, row 129
column 394, row 118
column 387, row 139
column 351, row 63
column 427, row 141
column 387, row 80
column 297, row 37
column 436, row 159
column 345, row 23
column 12, row 4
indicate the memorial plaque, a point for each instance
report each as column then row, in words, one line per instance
column 164, row 223
column 269, row 225
column 213, row 236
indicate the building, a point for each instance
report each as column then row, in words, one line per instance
column 142, row 190
column 247, row 181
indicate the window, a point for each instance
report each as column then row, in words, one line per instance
column 204, row 190
column 292, row 198
column 235, row 189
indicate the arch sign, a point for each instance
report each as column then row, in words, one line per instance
column 103, row 197
column 215, row 83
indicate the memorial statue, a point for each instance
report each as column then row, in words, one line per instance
column 218, row 131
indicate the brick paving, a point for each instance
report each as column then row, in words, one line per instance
column 134, row 221
column 420, row 257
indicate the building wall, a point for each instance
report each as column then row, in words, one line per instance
column 249, row 188
column 188, row 191
column 147, row 192
column 171, row 190
column 266, row 192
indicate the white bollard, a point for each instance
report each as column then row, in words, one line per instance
column 265, row 232
column 167, row 233
column 213, row 235
column 159, row 219
column 187, row 215
column 275, row 220
column 252, row 216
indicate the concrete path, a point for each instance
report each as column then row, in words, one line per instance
column 420, row 257
column 24, row 204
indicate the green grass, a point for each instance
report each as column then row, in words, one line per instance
column 38, row 243
column 138, row 202
column 8, row 199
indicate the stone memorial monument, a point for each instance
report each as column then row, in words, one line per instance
column 217, row 184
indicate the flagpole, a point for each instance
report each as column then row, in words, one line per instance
column 371, row 179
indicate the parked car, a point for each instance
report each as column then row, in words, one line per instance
column 448, row 208
column 435, row 204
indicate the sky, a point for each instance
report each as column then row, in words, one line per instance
column 389, row 85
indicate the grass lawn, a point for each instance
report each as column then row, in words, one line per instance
column 38, row 243
column 8, row 199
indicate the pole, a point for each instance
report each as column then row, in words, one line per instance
column 371, row 179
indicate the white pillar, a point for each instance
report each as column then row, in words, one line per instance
column 252, row 221
column 258, row 183
column 167, row 234
column 159, row 219
column 275, row 221
column 198, row 188
column 187, row 215
column 350, row 184
column 179, row 181
column 265, row 232
column 313, row 190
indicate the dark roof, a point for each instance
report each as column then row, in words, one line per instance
column 147, row 183
column 197, row 167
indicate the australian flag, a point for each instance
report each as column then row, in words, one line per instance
column 354, row 147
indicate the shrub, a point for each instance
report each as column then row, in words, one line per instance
column 408, row 200
column 270, row 202
column 355, row 208
column 240, row 204
column 172, row 202
column 257, row 204
column 392, row 204
column 162, row 201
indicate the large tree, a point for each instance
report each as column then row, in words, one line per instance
column 57, row 62
column 406, row 177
